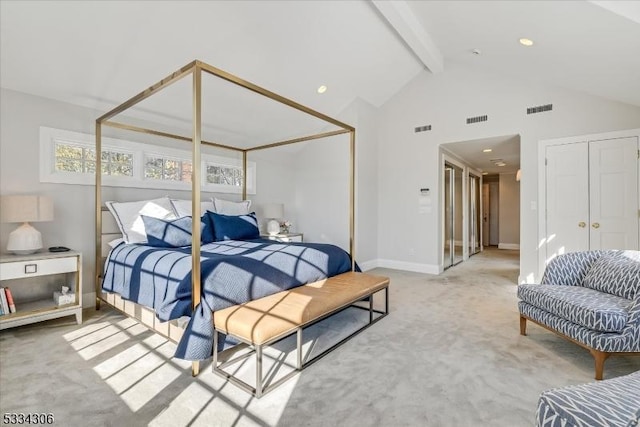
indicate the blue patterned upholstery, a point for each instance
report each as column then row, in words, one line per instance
column 616, row 273
column 586, row 307
column 592, row 297
column 569, row 269
column 626, row 341
column 610, row 403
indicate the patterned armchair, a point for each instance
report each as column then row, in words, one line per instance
column 592, row 298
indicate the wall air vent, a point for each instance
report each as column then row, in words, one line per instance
column 539, row 109
column 477, row 119
column 422, row 128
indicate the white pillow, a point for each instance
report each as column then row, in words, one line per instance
column 127, row 215
column 183, row 207
column 227, row 207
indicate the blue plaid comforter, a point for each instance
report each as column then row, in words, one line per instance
column 232, row 272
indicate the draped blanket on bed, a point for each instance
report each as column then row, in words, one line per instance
column 233, row 272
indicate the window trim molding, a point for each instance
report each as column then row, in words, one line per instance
column 49, row 137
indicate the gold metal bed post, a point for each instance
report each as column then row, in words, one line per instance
column 98, row 269
column 196, row 68
column 244, row 175
column 352, row 198
column 195, row 197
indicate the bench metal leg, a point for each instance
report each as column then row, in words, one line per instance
column 215, row 349
column 371, row 309
column 258, row 370
column 386, row 300
column 299, row 349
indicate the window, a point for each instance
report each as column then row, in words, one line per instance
column 116, row 163
column 68, row 157
column 167, row 169
column 224, row 175
column 74, row 158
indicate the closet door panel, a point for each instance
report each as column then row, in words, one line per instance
column 567, row 182
column 613, row 166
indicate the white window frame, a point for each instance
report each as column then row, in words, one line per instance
column 49, row 137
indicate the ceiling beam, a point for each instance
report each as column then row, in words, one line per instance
column 628, row 9
column 399, row 14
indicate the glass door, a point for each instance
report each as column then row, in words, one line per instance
column 474, row 215
column 453, row 238
column 448, row 216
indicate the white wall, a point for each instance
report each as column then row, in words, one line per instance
column 509, row 212
column 322, row 190
column 322, row 186
column 408, row 161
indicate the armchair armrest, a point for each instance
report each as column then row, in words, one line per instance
column 633, row 319
column 569, row 269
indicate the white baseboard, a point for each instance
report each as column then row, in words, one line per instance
column 368, row 265
column 509, row 246
column 409, row 266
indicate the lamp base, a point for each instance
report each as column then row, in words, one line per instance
column 24, row 240
column 273, row 227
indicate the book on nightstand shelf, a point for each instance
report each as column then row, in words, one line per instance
column 3, row 301
column 10, row 303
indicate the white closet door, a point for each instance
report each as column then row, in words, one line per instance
column 567, row 182
column 614, row 193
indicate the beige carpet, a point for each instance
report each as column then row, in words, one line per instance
column 449, row 354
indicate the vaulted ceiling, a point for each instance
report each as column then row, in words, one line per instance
column 99, row 53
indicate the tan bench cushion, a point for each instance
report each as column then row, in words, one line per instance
column 266, row 318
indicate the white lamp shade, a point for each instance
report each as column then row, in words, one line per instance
column 518, row 175
column 273, row 210
column 26, row 208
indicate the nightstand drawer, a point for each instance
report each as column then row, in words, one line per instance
column 284, row 237
column 42, row 267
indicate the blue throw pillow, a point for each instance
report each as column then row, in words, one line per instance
column 173, row 233
column 234, row 227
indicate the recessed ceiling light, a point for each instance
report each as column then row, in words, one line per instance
column 526, row 42
column 487, row 150
column 322, row 89
column 485, row 173
column 476, row 51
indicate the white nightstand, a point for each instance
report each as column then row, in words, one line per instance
column 33, row 280
column 284, row 237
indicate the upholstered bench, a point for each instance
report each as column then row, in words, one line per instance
column 592, row 298
column 610, row 403
column 267, row 320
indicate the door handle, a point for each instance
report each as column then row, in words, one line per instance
column 595, row 225
column 582, row 224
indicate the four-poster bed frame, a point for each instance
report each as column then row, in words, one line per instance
column 195, row 69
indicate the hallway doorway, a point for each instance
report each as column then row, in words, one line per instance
column 480, row 202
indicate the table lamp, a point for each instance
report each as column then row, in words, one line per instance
column 25, row 209
column 273, row 212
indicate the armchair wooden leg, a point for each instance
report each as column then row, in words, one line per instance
column 599, row 358
column 523, row 325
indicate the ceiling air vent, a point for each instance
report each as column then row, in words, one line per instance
column 422, row 128
column 477, row 119
column 539, row 109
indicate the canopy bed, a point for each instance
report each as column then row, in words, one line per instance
column 206, row 273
